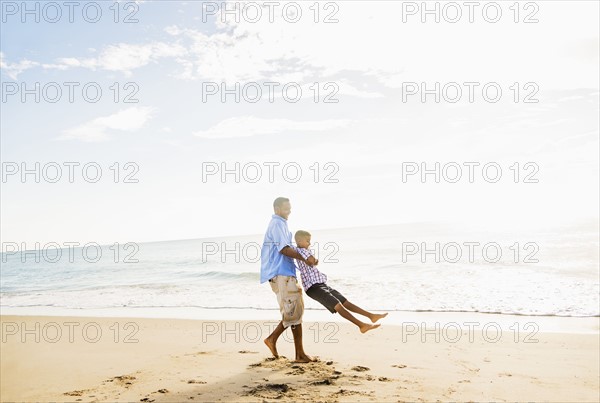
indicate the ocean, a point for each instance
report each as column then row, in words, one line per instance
column 417, row 267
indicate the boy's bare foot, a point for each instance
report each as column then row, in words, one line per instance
column 272, row 347
column 376, row 316
column 304, row 359
column 365, row 327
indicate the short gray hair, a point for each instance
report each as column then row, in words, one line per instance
column 279, row 201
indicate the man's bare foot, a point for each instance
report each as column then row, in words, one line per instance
column 272, row 347
column 304, row 359
column 365, row 327
column 376, row 316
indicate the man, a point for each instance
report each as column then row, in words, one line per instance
column 279, row 269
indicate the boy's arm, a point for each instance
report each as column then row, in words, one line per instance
column 309, row 258
column 293, row 253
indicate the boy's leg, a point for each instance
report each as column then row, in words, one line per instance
column 364, row 327
column 374, row 317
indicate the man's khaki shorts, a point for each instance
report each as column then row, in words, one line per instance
column 289, row 297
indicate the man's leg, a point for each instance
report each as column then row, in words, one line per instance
column 300, row 354
column 364, row 327
column 374, row 317
column 271, row 341
column 298, row 312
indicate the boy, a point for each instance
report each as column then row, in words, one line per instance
column 314, row 285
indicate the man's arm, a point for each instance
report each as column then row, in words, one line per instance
column 293, row 253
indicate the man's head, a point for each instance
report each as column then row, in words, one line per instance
column 282, row 207
column 302, row 239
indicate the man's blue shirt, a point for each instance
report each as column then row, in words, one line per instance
column 272, row 262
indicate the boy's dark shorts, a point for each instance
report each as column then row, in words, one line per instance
column 327, row 296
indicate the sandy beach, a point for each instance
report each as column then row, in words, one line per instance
column 154, row 360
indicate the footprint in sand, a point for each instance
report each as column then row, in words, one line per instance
column 77, row 392
column 346, row 392
column 123, row 380
column 360, row 368
column 194, row 381
column 147, row 399
column 198, row 353
column 326, row 381
column 450, row 391
column 269, row 391
column 468, row 366
column 317, row 373
column 273, row 363
column 296, row 370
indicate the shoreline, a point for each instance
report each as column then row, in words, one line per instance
column 548, row 324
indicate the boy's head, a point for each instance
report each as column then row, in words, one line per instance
column 302, row 239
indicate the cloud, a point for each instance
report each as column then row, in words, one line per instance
column 13, row 70
column 247, row 126
column 122, row 57
column 99, row 129
column 381, row 52
column 347, row 89
column 329, row 89
column 385, row 52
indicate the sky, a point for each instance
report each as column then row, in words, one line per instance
column 332, row 104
